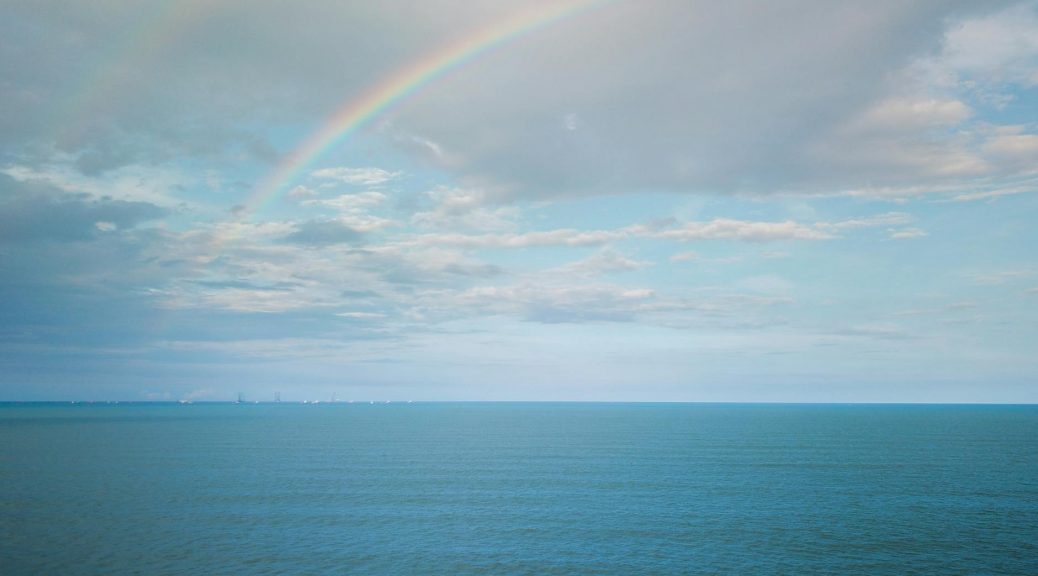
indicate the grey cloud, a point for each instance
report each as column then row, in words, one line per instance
column 473, row 269
column 36, row 211
column 685, row 96
column 358, row 294
column 408, row 268
column 120, row 82
column 727, row 96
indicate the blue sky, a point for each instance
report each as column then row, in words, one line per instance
column 806, row 201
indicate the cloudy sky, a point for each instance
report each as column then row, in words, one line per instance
column 612, row 200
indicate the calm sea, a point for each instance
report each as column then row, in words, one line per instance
column 518, row 489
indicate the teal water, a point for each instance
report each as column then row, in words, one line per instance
column 518, row 489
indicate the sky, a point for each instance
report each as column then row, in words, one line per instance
column 612, row 200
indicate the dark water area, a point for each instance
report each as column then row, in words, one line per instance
column 511, row 488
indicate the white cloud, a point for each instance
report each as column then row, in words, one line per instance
column 717, row 229
column 879, row 220
column 240, row 300
column 571, row 122
column 462, row 208
column 354, row 210
column 351, row 203
column 901, row 161
column 770, row 285
column 301, row 192
column 684, row 257
column 999, row 277
column 877, row 330
column 156, row 185
column 601, row 262
column 559, row 303
column 954, row 308
column 909, row 114
column 992, row 194
column 1000, row 47
column 240, row 230
column 356, row 176
column 907, row 233
column 360, row 315
column 551, row 298
column 562, row 237
column 1013, row 144
column 266, row 348
column 728, row 229
column 930, row 132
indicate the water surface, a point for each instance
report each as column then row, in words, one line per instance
column 518, row 488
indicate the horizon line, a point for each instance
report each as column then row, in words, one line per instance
column 382, row 402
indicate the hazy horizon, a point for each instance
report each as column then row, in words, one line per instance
column 384, row 402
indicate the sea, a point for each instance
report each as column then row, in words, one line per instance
column 518, row 488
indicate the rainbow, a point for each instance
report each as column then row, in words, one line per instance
column 406, row 81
